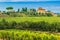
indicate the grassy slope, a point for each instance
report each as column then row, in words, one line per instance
column 32, row 19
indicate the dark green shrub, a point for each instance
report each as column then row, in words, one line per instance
column 13, row 25
column 4, row 24
column 41, row 26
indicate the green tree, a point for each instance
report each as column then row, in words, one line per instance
column 9, row 8
column 49, row 13
column 24, row 9
column 33, row 10
column 18, row 10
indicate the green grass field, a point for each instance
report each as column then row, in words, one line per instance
column 32, row 19
column 13, row 34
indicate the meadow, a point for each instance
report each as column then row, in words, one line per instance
column 31, row 19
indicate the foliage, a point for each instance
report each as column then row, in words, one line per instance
column 24, row 9
column 28, row 12
column 9, row 8
column 18, row 10
column 30, row 25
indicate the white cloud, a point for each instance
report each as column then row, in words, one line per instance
column 2, row 0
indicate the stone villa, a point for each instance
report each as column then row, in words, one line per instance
column 41, row 10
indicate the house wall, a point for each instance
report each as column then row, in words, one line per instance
column 41, row 11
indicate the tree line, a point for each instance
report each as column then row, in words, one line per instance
column 24, row 12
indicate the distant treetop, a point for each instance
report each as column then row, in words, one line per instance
column 9, row 8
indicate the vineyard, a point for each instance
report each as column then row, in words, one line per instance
column 30, row 28
column 27, row 35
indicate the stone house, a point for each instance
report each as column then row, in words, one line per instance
column 41, row 10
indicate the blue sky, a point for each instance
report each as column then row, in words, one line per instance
column 25, row 0
column 53, row 6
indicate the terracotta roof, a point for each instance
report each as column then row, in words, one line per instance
column 41, row 9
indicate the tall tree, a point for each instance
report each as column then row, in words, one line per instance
column 18, row 10
column 24, row 9
column 33, row 10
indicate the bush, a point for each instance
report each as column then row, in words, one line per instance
column 4, row 24
column 41, row 26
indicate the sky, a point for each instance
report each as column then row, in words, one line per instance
column 53, row 6
column 25, row 0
